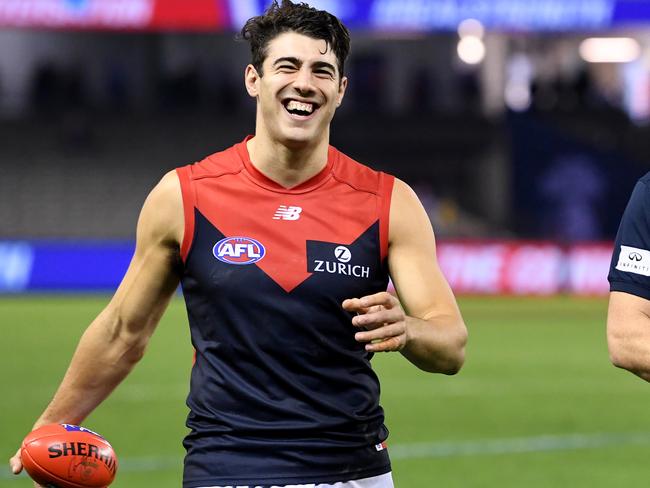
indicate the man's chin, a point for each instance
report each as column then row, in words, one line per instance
column 297, row 139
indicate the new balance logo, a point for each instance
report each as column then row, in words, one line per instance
column 287, row 213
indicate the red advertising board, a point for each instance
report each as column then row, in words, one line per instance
column 115, row 14
column 202, row 15
column 525, row 268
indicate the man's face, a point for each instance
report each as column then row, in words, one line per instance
column 299, row 91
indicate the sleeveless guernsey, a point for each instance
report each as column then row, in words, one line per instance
column 280, row 392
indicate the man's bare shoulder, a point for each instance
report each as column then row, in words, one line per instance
column 168, row 189
column 161, row 218
column 403, row 193
column 408, row 218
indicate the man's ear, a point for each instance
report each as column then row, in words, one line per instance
column 342, row 87
column 251, row 79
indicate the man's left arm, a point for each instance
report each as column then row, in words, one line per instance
column 628, row 315
column 628, row 333
column 425, row 324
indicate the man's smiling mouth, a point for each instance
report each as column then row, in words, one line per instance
column 301, row 109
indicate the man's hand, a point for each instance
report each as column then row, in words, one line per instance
column 382, row 319
column 16, row 465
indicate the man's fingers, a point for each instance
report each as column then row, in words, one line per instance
column 363, row 304
column 15, row 463
column 374, row 320
column 384, row 344
column 354, row 305
column 381, row 334
column 382, row 298
column 382, row 319
column 391, row 344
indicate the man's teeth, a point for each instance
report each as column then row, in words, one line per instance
column 303, row 107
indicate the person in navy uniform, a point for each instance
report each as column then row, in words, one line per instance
column 283, row 246
column 628, row 316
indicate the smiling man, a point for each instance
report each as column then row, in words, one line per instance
column 284, row 247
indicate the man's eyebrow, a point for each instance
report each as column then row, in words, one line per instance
column 288, row 59
column 297, row 62
column 324, row 64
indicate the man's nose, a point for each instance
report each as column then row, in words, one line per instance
column 304, row 81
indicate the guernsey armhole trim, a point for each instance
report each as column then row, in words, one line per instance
column 189, row 203
column 386, row 185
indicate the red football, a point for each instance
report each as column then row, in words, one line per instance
column 68, row 456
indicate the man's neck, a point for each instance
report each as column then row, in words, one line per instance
column 287, row 166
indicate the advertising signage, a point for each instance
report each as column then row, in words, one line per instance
column 371, row 15
column 474, row 267
column 446, row 15
column 128, row 15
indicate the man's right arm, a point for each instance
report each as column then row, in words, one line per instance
column 116, row 340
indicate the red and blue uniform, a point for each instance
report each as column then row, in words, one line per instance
column 281, row 392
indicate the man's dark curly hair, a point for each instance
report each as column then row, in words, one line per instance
column 300, row 18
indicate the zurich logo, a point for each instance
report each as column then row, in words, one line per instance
column 343, row 254
column 238, row 250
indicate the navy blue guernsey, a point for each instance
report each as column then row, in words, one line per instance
column 630, row 267
column 281, row 393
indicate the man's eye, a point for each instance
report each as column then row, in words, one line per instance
column 287, row 67
column 323, row 72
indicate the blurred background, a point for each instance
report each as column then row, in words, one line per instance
column 523, row 126
column 513, row 119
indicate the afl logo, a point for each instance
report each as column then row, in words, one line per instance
column 238, row 250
